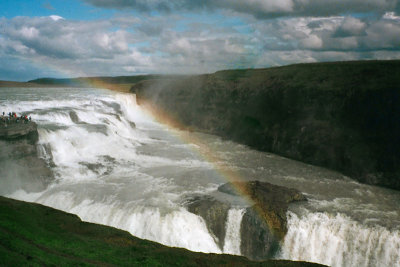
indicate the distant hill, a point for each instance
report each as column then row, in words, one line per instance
column 89, row 81
column 16, row 84
column 118, row 83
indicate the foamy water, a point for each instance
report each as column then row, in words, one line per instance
column 115, row 165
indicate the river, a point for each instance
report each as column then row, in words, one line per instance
column 116, row 165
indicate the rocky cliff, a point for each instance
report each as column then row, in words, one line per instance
column 344, row 115
column 20, row 166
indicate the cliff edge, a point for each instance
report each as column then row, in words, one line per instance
column 20, row 165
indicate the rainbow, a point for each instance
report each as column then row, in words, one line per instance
column 202, row 148
column 276, row 224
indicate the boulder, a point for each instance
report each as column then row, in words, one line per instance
column 214, row 213
column 264, row 223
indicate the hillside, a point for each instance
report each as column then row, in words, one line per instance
column 17, row 84
column 35, row 235
column 342, row 115
column 118, row 83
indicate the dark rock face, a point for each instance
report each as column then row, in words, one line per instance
column 264, row 224
column 343, row 116
column 74, row 117
column 257, row 240
column 214, row 213
column 270, row 201
column 20, row 166
column 15, row 130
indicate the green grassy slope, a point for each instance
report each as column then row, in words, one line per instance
column 35, row 235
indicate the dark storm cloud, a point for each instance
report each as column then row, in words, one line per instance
column 259, row 8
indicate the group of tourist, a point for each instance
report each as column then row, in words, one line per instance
column 12, row 117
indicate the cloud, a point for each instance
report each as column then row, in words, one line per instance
column 58, row 38
column 55, row 17
column 258, row 8
column 391, row 16
column 330, row 34
column 173, row 43
column 351, row 27
column 119, row 46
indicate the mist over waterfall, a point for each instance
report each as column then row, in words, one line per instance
column 115, row 165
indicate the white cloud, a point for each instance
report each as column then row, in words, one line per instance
column 329, row 34
column 391, row 16
column 312, row 42
column 56, row 17
column 174, row 44
column 29, row 32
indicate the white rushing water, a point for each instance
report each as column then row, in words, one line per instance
column 232, row 236
column 340, row 241
column 116, row 165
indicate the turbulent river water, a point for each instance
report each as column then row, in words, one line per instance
column 115, row 165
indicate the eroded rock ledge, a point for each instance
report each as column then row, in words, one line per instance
column 20, row 166
column 264, row 223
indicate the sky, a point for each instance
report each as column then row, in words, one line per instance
column 79, row 38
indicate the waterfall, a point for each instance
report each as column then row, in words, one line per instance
column 336, row 240
column 232, row 236
column 115, row 165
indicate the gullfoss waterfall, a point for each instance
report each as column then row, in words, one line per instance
column 115, row 165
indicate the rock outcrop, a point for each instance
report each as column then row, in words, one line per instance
column 19, row 130
column 214, row 213
column 343, row 115
column 263, row 224
column 20, row 166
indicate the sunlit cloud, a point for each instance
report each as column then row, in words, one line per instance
column 158, row 37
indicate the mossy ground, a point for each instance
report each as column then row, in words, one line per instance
column 35, row 235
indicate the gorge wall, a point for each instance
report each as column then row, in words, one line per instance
column 343, row 115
